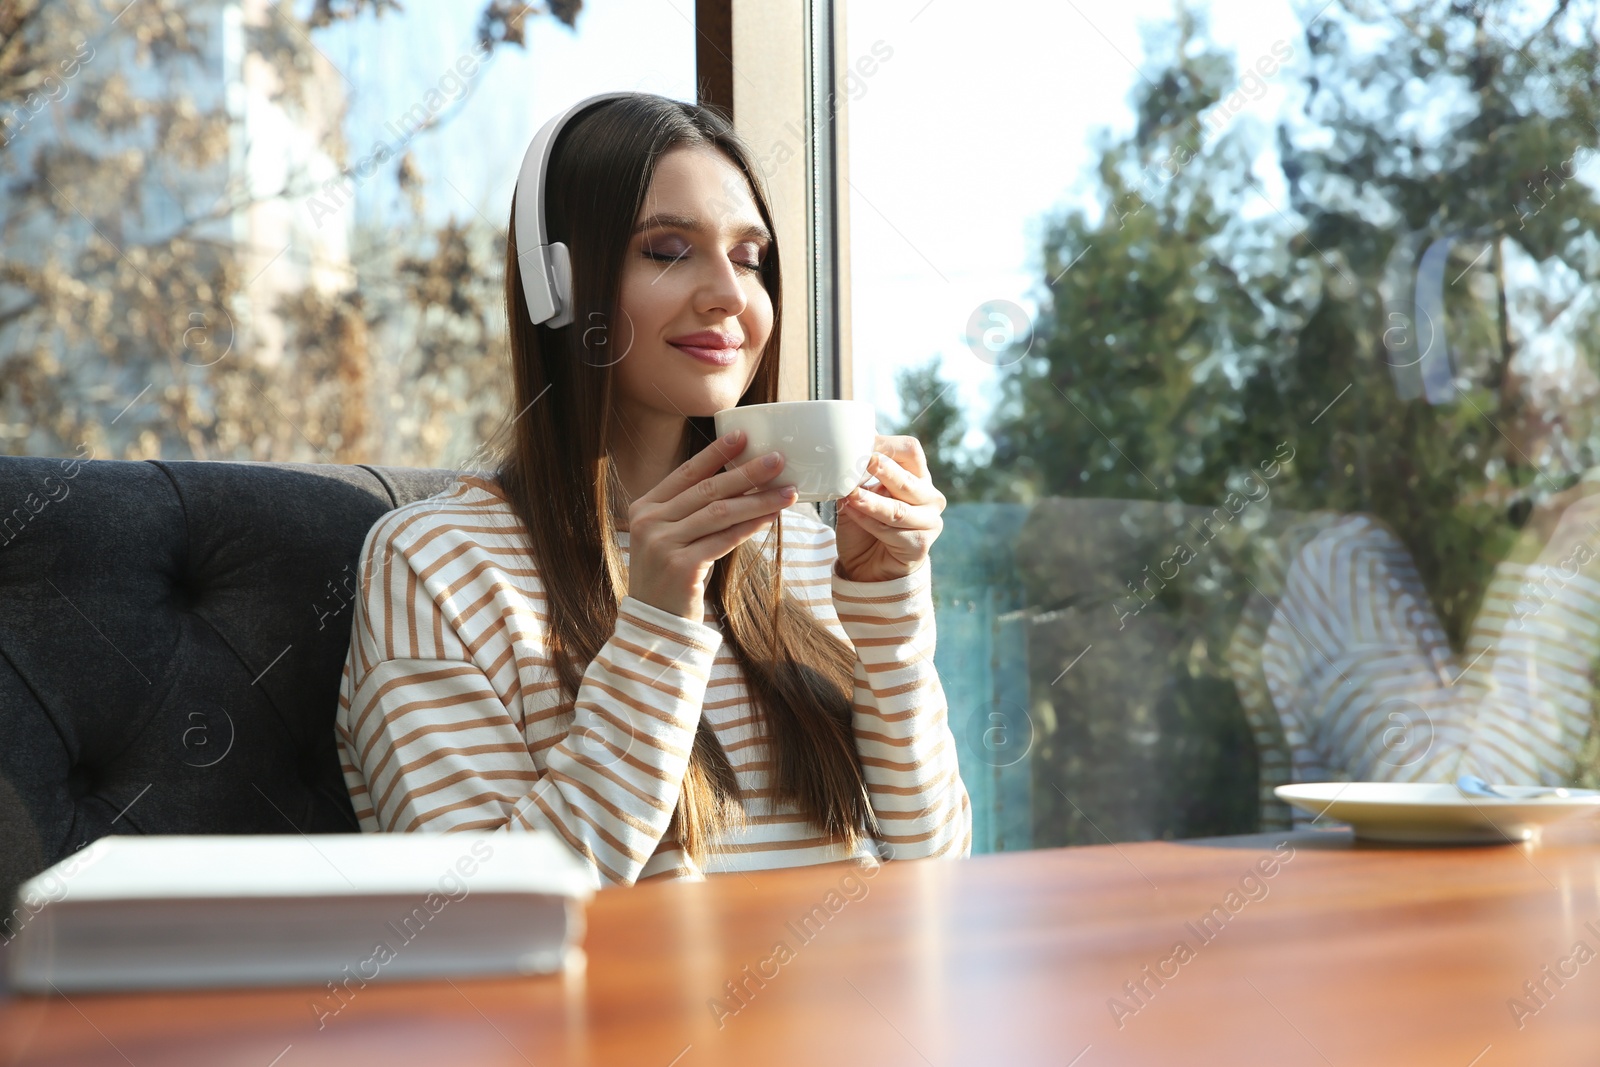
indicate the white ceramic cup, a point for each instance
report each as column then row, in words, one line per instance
column 825, row 443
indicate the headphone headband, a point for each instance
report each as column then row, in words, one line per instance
column 546, row 268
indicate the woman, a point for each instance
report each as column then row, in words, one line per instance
column 678, row 709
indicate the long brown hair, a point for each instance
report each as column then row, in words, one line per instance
column 555, row 467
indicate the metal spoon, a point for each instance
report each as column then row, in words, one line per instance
column 1473, row 786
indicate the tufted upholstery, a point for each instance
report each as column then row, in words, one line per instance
column 171, row 641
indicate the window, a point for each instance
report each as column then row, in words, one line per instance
column 315, row 277
column 1254, row 348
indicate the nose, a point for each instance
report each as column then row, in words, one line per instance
column 720, row 288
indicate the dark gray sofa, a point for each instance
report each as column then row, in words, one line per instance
column 172, row 636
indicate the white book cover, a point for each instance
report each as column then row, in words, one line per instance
column 132, row 912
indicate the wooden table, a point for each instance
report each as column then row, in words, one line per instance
column 1345, row 954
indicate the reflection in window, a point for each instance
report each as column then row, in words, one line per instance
column 1284, row 477
column 236, row 232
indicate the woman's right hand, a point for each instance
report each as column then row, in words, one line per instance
column 696, row 516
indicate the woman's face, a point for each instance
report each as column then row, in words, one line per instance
column 692, row 269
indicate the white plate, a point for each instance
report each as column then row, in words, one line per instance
column 1436, row 812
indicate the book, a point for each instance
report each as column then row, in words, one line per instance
column 332, row 910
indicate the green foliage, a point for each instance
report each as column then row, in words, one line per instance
column 1196, row 324
column 1198, row 327
column 930, row 413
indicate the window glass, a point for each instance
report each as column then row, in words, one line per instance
column 234, row 232
column 1253, row 346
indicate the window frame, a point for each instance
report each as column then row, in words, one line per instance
column 772, row 66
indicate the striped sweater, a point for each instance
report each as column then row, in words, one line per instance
column 450, row 716
column 1368, row 688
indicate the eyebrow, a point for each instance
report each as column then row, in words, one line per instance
column 669, row 220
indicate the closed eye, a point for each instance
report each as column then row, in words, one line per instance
column 663, row 257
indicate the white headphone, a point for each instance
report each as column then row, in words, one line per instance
column 546, row 268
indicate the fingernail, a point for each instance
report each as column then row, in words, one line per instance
column 770, row 459
column 728, row 437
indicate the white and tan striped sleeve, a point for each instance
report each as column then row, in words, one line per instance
column 1517, row 712
column 1529, row 660
column 1358, row 664
column 428, row 743
column 901, row 721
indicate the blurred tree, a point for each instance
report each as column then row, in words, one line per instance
column 125, row 318
column 1194, row 329
column 1202, row 327
column 1132, row 390
column 934, row 418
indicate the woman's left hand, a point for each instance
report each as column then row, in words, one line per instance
column 886, row 531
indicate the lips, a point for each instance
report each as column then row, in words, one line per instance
column 710, row 346
column 722, row 357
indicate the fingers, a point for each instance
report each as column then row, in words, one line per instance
column 904, row 450
column 902, row 511
column 907, row 531
column 901, row 483
column 719, row 543
column 698, row 468
column 891, row 514
column 725, row 512
column 753, row 474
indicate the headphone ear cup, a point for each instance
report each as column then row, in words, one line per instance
column 536, row 285
column 561, row 284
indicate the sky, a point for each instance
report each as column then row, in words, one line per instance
column 471, row 160
column 974, row 125
column 961, row 145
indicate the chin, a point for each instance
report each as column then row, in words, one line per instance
column 712, row 405
column 703, row 395
column 714, row 396
column 695, row 404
